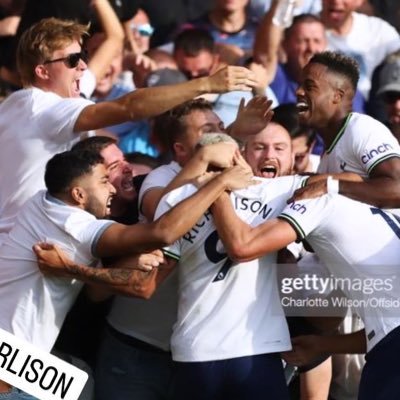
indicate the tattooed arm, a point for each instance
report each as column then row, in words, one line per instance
column 136, row 276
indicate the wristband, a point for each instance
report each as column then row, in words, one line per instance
column 332, row 185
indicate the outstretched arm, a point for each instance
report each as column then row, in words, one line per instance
column 119, row 239
column 219, row 155
column 148, row 102
column 136, row 276
column 243, row 242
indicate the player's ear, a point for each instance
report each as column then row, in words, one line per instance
column 78, row 195
column 338, row 96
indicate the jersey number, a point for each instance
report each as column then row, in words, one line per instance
column 393, row 226
column 210, row 248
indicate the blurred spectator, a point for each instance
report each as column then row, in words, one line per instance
column 138, row 32
column 389, row 91
column 303, row 138
column 365, row 38
column 304, row 38
column 231, row 27
column 389, row 10
column 195, row 54
column 257, row 8
column 10, row 16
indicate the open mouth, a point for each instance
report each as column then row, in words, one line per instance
column 302, row 106
column 108, row 204
column 76, row 87
column 269, row 171
column 127, row 185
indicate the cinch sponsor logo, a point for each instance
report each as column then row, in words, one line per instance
column 37, row 372
column 301, row 208
column 369, row 155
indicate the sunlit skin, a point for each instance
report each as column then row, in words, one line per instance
column 317, row 96
column 58, row 78
column 336, row 14
column 305, row 40
column 230, row 5
column 197, row 123
column 269, row 153
column 203, row 64
column 301, row 151
column 98, row 191
column 120, row 175
column 143, row 42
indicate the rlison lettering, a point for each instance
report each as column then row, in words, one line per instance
column 255, row 206
column 33, row 370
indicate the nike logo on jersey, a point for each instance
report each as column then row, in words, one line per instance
column 343, row 165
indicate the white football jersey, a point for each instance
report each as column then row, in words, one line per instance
column 227, row 309
column 361, row 244
column 361, row 144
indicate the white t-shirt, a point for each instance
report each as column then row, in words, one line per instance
column 361, row 144
column 228, row 310
column 34, row 126
column 370, row 40
column 150, row 320
column 356, row 241
column 158, row 178
column 32, row 306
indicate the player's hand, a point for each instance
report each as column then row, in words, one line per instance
column 231, row 78
column 311, row 191
column 201, row 180
column 143, row 262
column 220, row 154
column 305, row 350
column 51, row 259
column 238, row 177
column 252, row 117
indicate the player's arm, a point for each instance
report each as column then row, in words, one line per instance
column 136, row 276
column 243, row 242
column 148, row 102
column 114, row 36
column 119, row 239
column 382, row 189
column 309, row 347
column 219, row 155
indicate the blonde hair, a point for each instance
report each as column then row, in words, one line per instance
column 38, row 43
column 212, row 138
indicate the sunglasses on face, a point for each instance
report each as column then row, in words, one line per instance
column 143, row 29
column 71, row 60
column 391, row 97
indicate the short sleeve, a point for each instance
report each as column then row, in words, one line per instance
column 304, row 216
column 375, row 146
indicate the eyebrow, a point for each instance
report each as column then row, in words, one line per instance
column 113, row 163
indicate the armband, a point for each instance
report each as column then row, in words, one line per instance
column 332, row 185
